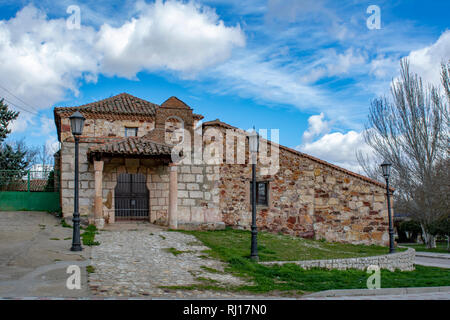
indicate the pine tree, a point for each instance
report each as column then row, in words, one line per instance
column 13, row 157
column 6, row 116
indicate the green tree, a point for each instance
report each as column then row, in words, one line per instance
column 442, row 228
column 15, row 157
column 50, row 186
column 6, row 116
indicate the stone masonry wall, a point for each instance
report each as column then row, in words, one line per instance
column 106, row 128
column 403, row 261
column 307, row 199
column 86, row 179
column 198, row 197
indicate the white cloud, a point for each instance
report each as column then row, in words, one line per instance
column 342, row 63
column 330, row 63
column 51, row 145
column 168, row 35
column 317, row 127
column 24, row 122
column 249, row 74
column 44, row 60
column 339, row 149
column 47, row 126
column 336, row 147
column 427, row 61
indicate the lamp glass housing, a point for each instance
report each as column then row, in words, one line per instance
column 253, row 141
column 386, row 167
column 77, row 123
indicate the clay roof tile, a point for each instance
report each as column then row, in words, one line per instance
column 132, row 146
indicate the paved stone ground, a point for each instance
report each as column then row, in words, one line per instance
column 133, row 261
column 32, row 261
column 433, row 262
column 431, row 259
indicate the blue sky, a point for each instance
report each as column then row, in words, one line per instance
column 307, row 67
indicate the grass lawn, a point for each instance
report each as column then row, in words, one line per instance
column 276, row 247
column 88, row 236
column 441, row 247
column 232, row 246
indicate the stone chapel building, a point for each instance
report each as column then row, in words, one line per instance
column 128, row 172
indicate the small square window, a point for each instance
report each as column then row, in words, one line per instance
column 262, row 197
column 131, row 132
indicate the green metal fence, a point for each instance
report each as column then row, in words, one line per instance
column 26, row 190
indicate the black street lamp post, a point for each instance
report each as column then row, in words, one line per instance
column 76, row 123
column 254, row 149
column 386, row 167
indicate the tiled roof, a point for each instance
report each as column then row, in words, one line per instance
column 132, row 146
column 197, row 116
column 174, row 102
column 22, row 185
column 121, row 104
column 219, row 123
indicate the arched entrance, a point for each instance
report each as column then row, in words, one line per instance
column 131, row 197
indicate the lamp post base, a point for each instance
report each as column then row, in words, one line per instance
column 76, row 248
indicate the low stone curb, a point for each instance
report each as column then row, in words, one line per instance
column 377, row 292
column 403, row 261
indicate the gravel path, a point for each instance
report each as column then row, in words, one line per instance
column 135, row 260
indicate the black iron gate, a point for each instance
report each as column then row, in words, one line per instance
column 131, row 197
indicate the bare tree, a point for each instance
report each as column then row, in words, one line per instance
column 411, row 132
column 369, row 165
column 44, row 157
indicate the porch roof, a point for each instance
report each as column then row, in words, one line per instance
column 133, row 146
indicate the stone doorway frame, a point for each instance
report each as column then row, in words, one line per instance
column 167, row 188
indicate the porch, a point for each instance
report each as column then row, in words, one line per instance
column 134, row 179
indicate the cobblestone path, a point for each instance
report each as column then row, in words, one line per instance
column 137, row 262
